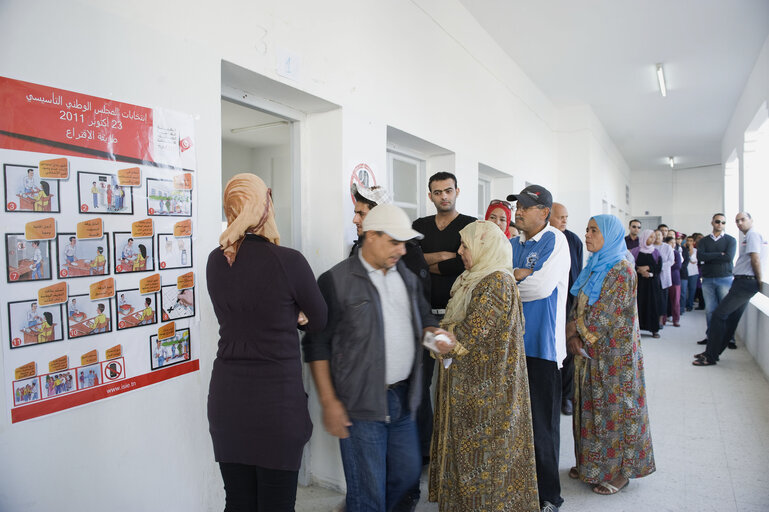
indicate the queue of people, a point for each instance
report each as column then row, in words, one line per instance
column 516, row 329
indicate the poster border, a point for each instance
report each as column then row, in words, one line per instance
column 192, row 251
column 111, row 319
column 147, row 194
column 117, row 314
column 80, row 201
column 152, row 366
column 50, row 260
column 5, row 183
column 58, row 262
column 162, row 306
column 114, row 253
column 10, row 332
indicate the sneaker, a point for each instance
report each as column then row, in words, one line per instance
column 549, row 507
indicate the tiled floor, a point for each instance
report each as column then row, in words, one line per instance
column 710, row 428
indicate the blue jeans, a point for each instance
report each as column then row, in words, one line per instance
column 382, row 460
column 692, row 290
column 714, row 289
column 727, row 315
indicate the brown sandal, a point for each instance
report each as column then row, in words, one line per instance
column 573, row 473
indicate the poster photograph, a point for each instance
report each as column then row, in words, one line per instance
column 166, row 201
column 59, row 383
column 25, row 391
column 89, row 376
column 82, row 258
column 176, row 303
column 27, row 260
column 87, row 317
column 170, row 351
column 135, row 309
column 26, row 192
column 30, row 324
column 132, row 254
column 100, row 193
column 174, row 252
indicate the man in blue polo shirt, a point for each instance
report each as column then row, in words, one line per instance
column 541, row 265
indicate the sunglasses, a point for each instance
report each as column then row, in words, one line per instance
column 499, row 201
column 719, row 221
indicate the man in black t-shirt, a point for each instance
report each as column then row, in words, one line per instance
column 440, row 245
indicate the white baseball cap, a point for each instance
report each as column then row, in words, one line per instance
column 391, row 220
column 375, row 194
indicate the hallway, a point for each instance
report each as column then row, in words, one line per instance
column 710, row 428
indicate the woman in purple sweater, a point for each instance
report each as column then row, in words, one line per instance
column 674, row 292
column 257, row 407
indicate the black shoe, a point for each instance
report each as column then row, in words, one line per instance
column 567, row 407
column 732, row 345
column 703, row 342
column 688, row 309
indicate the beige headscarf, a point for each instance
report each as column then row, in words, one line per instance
column 490, row 251
column 248, row 208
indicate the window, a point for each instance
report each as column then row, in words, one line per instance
column 407, row 174
column 484, row 195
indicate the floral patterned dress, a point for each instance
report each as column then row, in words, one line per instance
column 482, row 453
column 611, row 422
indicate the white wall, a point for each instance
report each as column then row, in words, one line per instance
column 590, row 169
column 686, row 199
column 423, row 66
column 755, row 322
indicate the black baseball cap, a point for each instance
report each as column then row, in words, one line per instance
column 533, row 195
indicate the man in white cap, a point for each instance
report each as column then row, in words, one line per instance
column 366, row 363
column 367, row 198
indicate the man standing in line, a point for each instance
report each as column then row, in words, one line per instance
column 559, row 217
column 365, row 200
column 541, row 268
column 631, row 240
column 440, row 243
column 715, row 253
column 746, row 283
column 366, row 363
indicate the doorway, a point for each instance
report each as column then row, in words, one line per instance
column 261, row 143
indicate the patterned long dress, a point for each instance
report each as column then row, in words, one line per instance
column 482, row 453
column 611, row 422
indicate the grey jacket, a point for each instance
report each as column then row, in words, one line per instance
column 353, row 340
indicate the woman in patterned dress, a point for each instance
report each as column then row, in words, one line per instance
column 482, row 453
column 612, row 440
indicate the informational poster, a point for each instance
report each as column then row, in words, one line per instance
column 99, row 217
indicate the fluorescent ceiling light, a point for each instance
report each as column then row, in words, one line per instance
column 671, row 161
column 661, row 80
column 258, row 127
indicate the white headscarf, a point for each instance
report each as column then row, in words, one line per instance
column 490, row 251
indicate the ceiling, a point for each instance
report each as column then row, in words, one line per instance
column 603, row 53
column 266, row 130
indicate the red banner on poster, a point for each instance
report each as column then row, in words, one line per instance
column 50, row 120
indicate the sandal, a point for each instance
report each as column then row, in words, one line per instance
column 573, row 473
column 704, row 361
column 606, row 489
column 656, row 335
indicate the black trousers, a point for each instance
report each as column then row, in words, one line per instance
column 256, row 489
column 545, row 393
column 567, row 378
column 726, row 316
